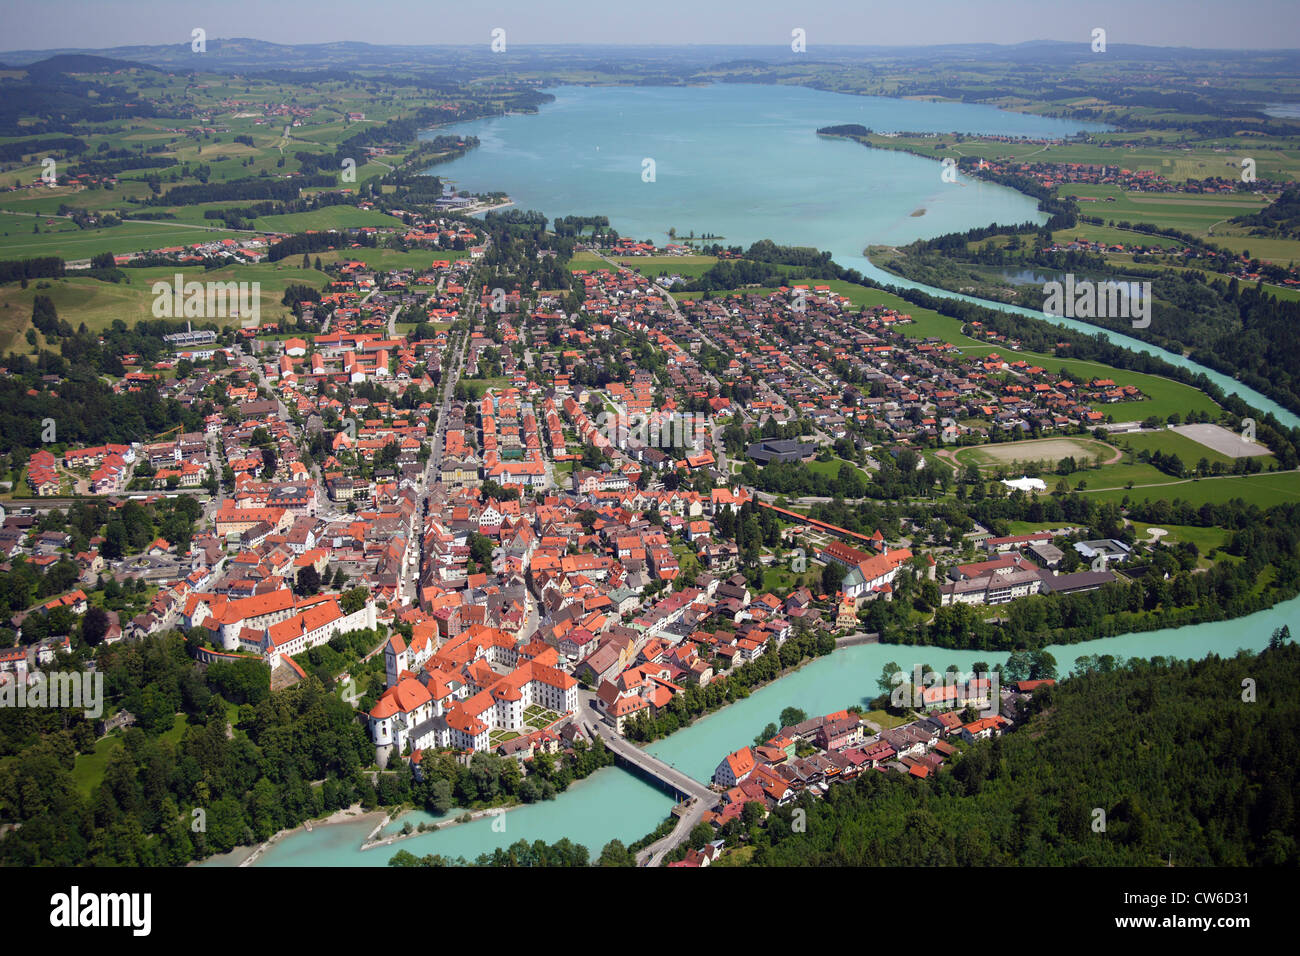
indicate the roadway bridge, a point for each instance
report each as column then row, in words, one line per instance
column 671, row 778
column 699, row 798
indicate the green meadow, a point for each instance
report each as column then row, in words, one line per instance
column 1264, row 490
column 81, row 299
column 63, row 239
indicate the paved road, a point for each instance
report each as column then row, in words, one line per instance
column 431, row 475
column 654, row 854
column 700, row 798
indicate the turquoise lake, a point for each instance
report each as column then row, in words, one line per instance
column 745, row 162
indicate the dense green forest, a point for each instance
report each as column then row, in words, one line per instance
column 212, row 739
column 84, row 409
column 1280, row 220
column 1184, row 770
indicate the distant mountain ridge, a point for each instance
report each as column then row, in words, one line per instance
column 245, row 53
column 82, row 63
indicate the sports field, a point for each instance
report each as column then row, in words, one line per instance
column 1049, row 451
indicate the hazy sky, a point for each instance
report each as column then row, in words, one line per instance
column 48, row 24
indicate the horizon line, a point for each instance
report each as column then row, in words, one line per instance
column 673, row 45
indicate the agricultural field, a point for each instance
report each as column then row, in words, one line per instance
column 98, row 304
column 331, row 217
column 388, row 259
column 1206, row 217
column 1177, row 164
column 1187, row 213
column 689, row 267
column 47, row 199
column 64, row 239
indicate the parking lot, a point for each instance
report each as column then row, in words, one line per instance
column 1217, row 438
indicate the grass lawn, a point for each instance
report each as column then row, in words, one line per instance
column 89, row 768
column 1172, row 443
column 781, row 580
column 737, row 857
column 1116, row 476
column 1264, row 490
column 883, row 719
column 1205, row 539
column 830, row 468
column 1030, row 527
column 1048, row 451
column 687, row 562
column 478, row 386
